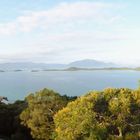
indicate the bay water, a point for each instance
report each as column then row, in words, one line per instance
column 17, row 85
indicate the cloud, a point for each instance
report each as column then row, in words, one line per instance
column 72, row 12
column 66, row 32
column 8, row 28
column 63, row 13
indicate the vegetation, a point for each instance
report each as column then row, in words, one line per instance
column 107, row 115
column 10, row 127
column 38, row 116
column 93, row 69
column 112, row 114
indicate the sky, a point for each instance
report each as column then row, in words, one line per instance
column 62, row 31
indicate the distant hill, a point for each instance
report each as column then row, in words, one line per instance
column 87, row 63
column 29, row 66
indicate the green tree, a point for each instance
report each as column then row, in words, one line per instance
column 38, row 116
column 78, row 121
column 112, row 114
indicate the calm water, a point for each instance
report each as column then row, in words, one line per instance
column 17, row 85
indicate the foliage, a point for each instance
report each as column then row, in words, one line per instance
column 111, row 114
column 10, row 124
column 107, row 115
column 38, row 116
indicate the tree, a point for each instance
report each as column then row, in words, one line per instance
column 10, row 124
column 78, row 121
column 38, row 116
column 112, row 114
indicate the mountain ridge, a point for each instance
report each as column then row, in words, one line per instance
column 85, row 63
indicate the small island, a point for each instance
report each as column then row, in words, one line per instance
column 93, row 69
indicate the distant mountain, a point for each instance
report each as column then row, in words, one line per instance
column 29, row 66
column 87, row 63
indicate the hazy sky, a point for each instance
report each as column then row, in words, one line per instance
column 60, row 31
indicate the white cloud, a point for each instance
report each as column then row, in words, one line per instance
column 72, row 12
column 67, row 32
column 61, row 14
column 27, row 23
column 8, row 28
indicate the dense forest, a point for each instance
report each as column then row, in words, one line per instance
column 111, row 114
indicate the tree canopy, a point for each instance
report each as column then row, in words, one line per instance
column 106, row 115
column 111, row 114
column 38, row 116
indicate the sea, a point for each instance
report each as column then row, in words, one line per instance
column 17, row 85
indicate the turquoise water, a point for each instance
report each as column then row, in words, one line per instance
column 17, row 85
